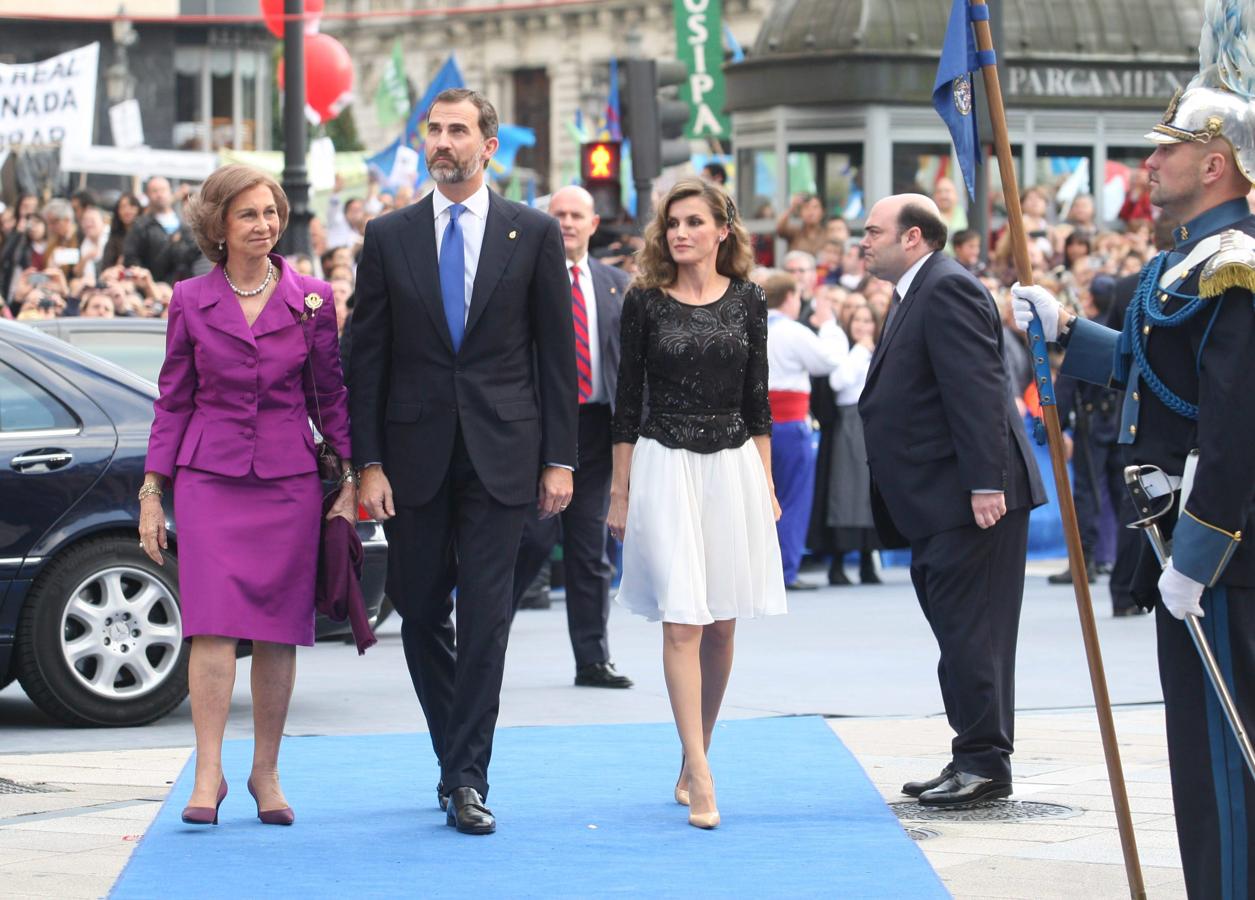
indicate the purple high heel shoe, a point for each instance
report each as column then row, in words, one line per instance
column 283, row 816
column 205, row 815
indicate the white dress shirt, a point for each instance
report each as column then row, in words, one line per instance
column 472, row 222
column 848, row 379
column 904, row 283
column 795, row 353
column 594, row 344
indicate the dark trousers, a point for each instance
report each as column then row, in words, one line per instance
column 793, row 471
column 462, row 538
column 970, row 585
column 582, row 530
column 1212, row 792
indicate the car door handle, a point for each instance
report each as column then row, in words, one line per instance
column 51, row 458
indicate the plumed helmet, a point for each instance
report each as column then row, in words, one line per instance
column 1217, row 103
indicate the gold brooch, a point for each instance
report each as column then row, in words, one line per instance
column 312, row 302
column 512, row 235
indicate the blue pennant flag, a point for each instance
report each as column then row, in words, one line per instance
column 612, row 103
column 954, row 92
column 510, row 139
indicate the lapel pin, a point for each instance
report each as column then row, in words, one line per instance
column 614, row 290
column 512, row 235
column 312, row 302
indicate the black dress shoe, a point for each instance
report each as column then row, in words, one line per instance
column 442, row 796
column 837, row 576
column 601, row 675
column 801, row 586
column 915, row 788
column 468, row 814
column 1125, row 611
column 963, row 789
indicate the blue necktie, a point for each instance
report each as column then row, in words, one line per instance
column 453, row 277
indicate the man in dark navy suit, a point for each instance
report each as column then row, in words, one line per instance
column 596, row 304
column 953, row 478
column 463, row 401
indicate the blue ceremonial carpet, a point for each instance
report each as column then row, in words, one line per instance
column 582, row 812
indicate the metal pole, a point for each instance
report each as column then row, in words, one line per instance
column 295, row 177
column 1067, row 510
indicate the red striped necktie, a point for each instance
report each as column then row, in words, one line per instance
column 583, row 353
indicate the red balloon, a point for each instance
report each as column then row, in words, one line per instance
column 328, row 75
column 272, row 13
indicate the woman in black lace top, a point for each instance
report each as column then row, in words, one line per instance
column 691, row 496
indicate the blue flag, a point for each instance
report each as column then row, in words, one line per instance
column 954, row 94
column 510, row 138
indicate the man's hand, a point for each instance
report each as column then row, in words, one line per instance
column 376, row 494
column 989, row 508
column 1027, row 299
column 1181, row 594
column 556, row 488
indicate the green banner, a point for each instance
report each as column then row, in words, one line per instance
column 699, row 45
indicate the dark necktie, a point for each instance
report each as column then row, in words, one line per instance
column 453, row 276
column 583, row 353
column 893, row 310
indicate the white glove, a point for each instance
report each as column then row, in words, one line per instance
column 1181, row 594
column 1024, row 300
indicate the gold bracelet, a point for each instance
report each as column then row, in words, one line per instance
column 150, row 489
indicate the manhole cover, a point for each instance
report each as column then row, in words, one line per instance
column 12, row 787
column 990, row 811
column 921, row 834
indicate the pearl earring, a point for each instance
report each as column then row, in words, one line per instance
column 219, row 245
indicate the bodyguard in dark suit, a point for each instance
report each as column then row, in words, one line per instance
column 596, row 305
column 953, row 478
column 463, row 396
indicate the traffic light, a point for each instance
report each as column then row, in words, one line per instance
column 599, row 162
column 654, row 120
column 599, row 173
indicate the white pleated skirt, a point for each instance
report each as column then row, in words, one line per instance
column 701, row 540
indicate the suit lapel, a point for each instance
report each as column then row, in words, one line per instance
column 500, row 239
column 222, row 310
column 285, row 305
column 423, row 260
column 904, row 308
column 609, row 304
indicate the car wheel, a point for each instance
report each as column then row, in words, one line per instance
column 100, row 639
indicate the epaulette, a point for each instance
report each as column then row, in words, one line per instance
column 1231, row 266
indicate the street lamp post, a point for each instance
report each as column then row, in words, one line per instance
column 295, row 177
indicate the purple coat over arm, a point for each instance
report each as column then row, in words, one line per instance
column 232, row 430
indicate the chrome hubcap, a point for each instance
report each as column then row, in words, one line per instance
column 121, row 633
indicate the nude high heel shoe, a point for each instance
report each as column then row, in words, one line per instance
column 705, row 820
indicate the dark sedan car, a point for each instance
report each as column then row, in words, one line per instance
column 88, row 624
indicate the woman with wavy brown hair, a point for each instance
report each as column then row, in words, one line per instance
column 692, row 496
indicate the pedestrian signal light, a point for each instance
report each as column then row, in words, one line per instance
column 599, row 162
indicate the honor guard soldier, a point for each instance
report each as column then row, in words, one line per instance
column 1186, row 360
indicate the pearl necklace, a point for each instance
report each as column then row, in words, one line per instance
column 270, row 271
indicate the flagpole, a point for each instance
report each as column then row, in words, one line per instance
column 1050, row 414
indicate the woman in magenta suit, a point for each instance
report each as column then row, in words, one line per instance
column 251, row 355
